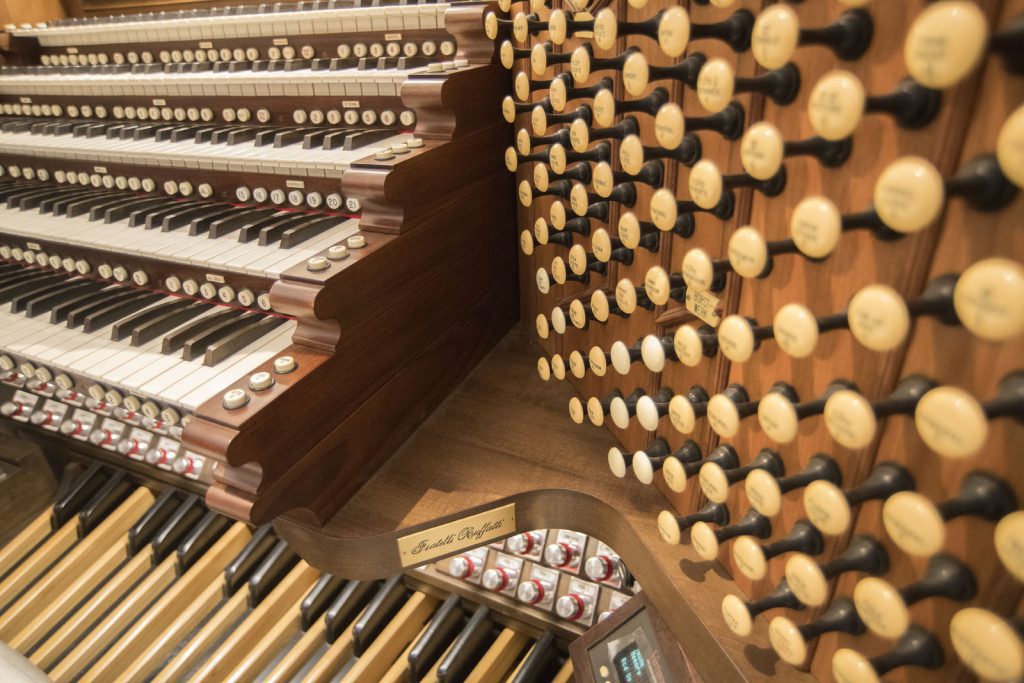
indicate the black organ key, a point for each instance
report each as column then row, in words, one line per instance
column 85, row 206
column 74, row 497
column 111, row 299
column 359, row 139
column 60, row 312
column 271, row 231
column 439, row 633
column 99, row 209
column 249, row 558
column 234, row 340
column 468, row 646
column 114, row 491
column 384, row 605
column 153, row 519
column 315, row 139
column 183, row 520
column 177, row 339
column 41, row 300
column 237, row 220
column 199, row 539
column 155, row 218
column 125, row 210
column 128, row 326
column 320, row 596
column 269, row 573
column 37, row 282
column 291, row 137
column 300, row 233
column 183, row 218
column 32, row 201
column 349, row 603
column 115, row 311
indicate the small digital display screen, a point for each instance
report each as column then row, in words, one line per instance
column 632, row 666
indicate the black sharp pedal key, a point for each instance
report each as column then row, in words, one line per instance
column 444, row 626
column 196, row 346
column 145, row 332
column 211, row 527
column 77, row 316
column 44, row 304
column 385, row 604
column 319, row 597
column 298, row 234
column 349, row 603
column 124, row 328
column 236, row 341
column 181, row 523
column 146, row 526
column 115, row 311
column 249, row 558
column 538, row 665
column 113, row 493
column 468, row 646
column 278, row 562
column 80, row 491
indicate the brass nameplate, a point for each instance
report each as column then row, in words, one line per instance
column 703, row 305
column 468, row 532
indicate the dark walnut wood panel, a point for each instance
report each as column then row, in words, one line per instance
column 503, row 419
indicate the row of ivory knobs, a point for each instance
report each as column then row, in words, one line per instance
column 239, row 54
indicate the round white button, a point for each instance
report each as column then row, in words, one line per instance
column 807, row 580
column 951, row 422
column 736, row 615
column 715, row 85
column 775, row 36
column 777, row 417
column 284, row 365
column 987, row 644
column 762, row 150
column 850, row 419
column 880, row 607
column 763, row 492
column 909, row 194
column 736, row 338
column 827, row 507
column 878, row 317
column 261, row 381
column 1009, row 542
column 235, row 398
column 815, row 226
column 796, row 330
column 989, row 299
column 945, row 43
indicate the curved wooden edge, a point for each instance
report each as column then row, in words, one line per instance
column 466, row 23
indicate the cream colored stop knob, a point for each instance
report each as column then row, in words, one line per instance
column 749, row 558
column 987, row 644
column 557, row 27
column 736, row 615
column 836, row 105
column 658, row 285
column 491, row 25
column 951, row 422
column 604, row 107
column 688, row 345
column 914, row 523
column 723, row 416
column 577, row 365
column 606, row 28
column 558, row 322
column 827, row 508
column 558, row 271
column 989, row 299
column 878, row 317
column 630, row 231
column 850, row 666
column 705, row 184
column 816, row 226
column 945, row 42
column 674, row 31
column 1009, row 542
column 704, row 540
column 631, row 155
column 806, row 580
column 542, row 326
column 909, row 194
column 557, row 158
column 625, row 295
column 664, row 209
column 762, row 150
column 763, row 492
column 716, row 83
column 787, row 641
column 669, row 126
column 796, row 330
column 599, row 306
column 1010, row 147
column 698, row 270
column 778, row 417
column 668, row 527
column 850, row 419
column 881, row 607
column 635, row 74
column 558, row 94
column 598, row 361
column 576, row 410
column 736, row 338
column 595, row 411
column 748, row 252
column 544, row 369
column 682, row 414
column 775, row 37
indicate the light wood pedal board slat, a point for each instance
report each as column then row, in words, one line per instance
column 270, row 644
column 499, row 658
column 399, row 670
column 35, row 564
column 299, row 654
column 564, row 674
column 26, row 540
column 336, row 656
column 392, row 640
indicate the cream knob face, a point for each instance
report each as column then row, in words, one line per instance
column 647, row 413
column 796, row 330
column 827, row 507
column 909, row 194
column 1009, row 539
column 523, row 141
column 557, row 367
column 507, row 55
column 557, row 27
column 511, row 160
column 653, row 353
column 558, row 320
column 595, row 413
column 1010, row 148
column 988, row 645
column 526, row 244
column 520, row 27
column 704, row 541
column 675, row 475
column 749, row 558
column 606, row 29
column 631, row 154
column 540, row 231
column 723, row 416
column 579, row 64
column 762, row 150
column 816, row 226
column 603, row 180
column 598, row 362
column 556, row 158
column 713, row 482
column 577, row 365
column 748, row 252
column 777, row 417
column 558, row 271
column 604, row 107
column 577, row 314
column 674, row 31
column 657, row 285
column 688, row 346
column 578, row 259
column 625, row 295
column 643, row 469
column 599, row 305
column 557, row 215
column 543, row 282
column 951, row 422
column 763, row 492
column 544, row 369
column 635, row 74
column 539, row 120
column 989, row 299
column 715, row 85
column 878, row 318
column 914, row 523
column 521, row 86
column 681, row 414
column 538, row 58
column 601, row 243
column 616, row 462
column 945, row 43
column 540, row 179
column 698, row 270
column 668, row 528
column 669, row 126
column 880, row 607
column 836, row 105
column 491, row 26
column 787, row 642
column 705, row 184
column 541, row 324
column 579, row 135
column 775, row 36
column 558, row 95
column 619, row 413
column 807, row 580
column 736, row 615
column 736, row 338
column 629, row 230
column 850, row 419
column 525, row 193
column 850, row 666
column 664, row 210
column 620, row 358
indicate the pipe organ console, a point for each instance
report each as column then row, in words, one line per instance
column 770, row 264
